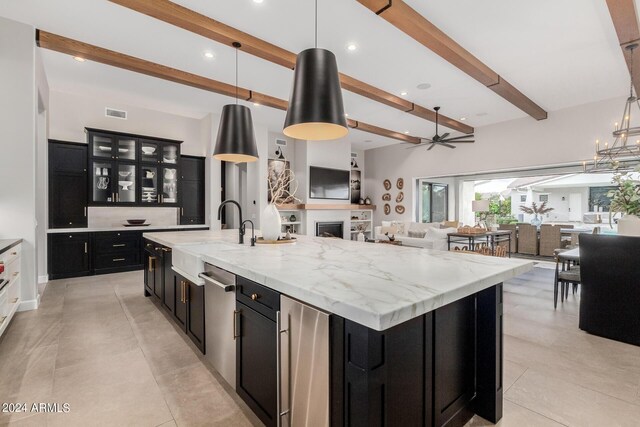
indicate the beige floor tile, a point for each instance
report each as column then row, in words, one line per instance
column 196, row 398
column 515, row 416
column 570, row 404
column 30, row 420
column 120, row 390
column 511, row 372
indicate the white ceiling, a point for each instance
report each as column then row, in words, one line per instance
column 560, row 54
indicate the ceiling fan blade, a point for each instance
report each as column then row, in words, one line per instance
column 448, row 145
column 426, row 140
column 415, row 146
column 444, row 135
column 433, row 144
column 460, row 137
column 455, row 142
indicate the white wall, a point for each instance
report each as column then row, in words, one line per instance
column 22, row 81
column 567, row 136
column 71, row 113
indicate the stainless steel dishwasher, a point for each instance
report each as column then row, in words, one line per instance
column 220, row 303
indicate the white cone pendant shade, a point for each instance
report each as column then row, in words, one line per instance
column 236, row 141
column 316, row 111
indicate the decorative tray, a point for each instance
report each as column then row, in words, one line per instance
column 261, row 241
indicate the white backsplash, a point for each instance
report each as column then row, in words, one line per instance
column 116, row 216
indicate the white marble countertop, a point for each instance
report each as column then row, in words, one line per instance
column 376, row 285
column 123, row 228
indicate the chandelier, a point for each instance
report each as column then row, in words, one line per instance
column 625, row 150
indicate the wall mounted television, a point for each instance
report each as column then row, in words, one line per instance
column 325, row 183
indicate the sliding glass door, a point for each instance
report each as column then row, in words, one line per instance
column 432, row 203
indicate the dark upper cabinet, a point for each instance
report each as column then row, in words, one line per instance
column 132, row 170
column 67, row 185
column 68, row 255
column 193, row 190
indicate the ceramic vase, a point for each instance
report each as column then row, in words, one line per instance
column 629, row 225
column 270, row 223
column 536, row 221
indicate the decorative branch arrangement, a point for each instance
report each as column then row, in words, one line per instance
column 535, row 209
column 280, row 184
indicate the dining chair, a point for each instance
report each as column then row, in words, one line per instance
column 527, row 239
column 514, row 235
column 550, row 239
column 566, row 275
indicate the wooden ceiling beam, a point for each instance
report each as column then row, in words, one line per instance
column 416, row 26
column 187, row 19
column 625, row 20
column 72, row 47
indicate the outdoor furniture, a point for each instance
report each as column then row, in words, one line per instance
column 610, row 295
column 567, row 273
column 475, row 241
column 527, row 239
column 550, row 239
column 514, row 234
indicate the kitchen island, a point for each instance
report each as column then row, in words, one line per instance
column 414, row 335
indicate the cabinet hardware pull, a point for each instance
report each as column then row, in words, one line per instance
column 16, row 273
column 118, row 259
column 184, row 292
column 151, row 262
column 279, row 382
column 85, row 211
column 14, row 253
column 119, row 245
column 166, row 249
column 15, row 300
column 255, row 296
column 236, row 323
column 86, row 248
column 182, row 211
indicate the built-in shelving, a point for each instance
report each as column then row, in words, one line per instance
column 359, row 218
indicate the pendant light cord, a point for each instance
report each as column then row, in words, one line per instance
column 236, row 75
column 316, row 24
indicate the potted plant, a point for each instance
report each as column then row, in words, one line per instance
column 625, row 199
column 537, row 211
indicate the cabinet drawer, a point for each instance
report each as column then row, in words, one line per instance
column 262, row 299
column 117, row 244
column 126, row 259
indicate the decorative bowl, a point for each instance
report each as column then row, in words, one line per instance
column 148, row 150
column 136, row 221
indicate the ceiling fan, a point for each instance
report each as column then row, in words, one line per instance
column 442, row 139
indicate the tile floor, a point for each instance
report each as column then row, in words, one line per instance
column 99, row 345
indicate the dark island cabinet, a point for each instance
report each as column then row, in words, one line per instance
column 256, row 360
column 67, row 184
column 68, row 255
column 189, row 310
column 193, row 190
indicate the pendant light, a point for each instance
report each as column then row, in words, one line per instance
column 236, row 141
column 316, row 111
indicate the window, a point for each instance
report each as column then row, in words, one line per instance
column 598, row 196
column 432, row 201
column 523, row 199
column 544, row 198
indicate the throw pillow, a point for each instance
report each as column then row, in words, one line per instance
column 391, row 230
column 386, row 223
column 417, row 233
column 399, row 225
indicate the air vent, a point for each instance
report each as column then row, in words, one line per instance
column 281, row 142
column 354, row 155
column 116, row 114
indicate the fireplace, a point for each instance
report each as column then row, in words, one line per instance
column 330, row 229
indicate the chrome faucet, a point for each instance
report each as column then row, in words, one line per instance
column 242, row 228
column 253, row 230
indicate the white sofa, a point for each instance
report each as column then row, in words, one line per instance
column 409, row 233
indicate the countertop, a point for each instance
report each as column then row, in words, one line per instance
column 8, row 243
column 376, row 285
column 123, row 228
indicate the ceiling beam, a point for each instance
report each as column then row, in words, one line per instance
column 416, row 26
column 195, row 22
column 625, row 20
column 72, row 47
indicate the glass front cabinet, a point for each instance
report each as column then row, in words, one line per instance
column 132, row 170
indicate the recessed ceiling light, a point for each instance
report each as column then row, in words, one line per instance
column 482, row 114
column 423, row 86
column 352, row 47
column 403, row 93
column 367, row 140
column 406, row 132
column 257, row 1
column 208, row 54
column 255, row 104
column 79, row 58
column 462, row 119
column 346, row 114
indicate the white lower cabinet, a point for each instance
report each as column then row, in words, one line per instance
column 9, row 286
